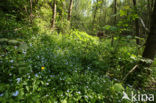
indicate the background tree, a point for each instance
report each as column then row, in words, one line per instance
column 70, row 9
column 115, row 19
column 95, row 11
column 136, row 22
column 150, row 48
column 54, row 15
column 31, row 14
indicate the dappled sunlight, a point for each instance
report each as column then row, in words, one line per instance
column 77, row 51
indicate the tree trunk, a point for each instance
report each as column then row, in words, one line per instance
column 70, row 10
column 94, row 16
column 115, row 11
column 152, row 4
column 31, row 15
column 54, row 15
column 149, row 53
column 149, row 13
column 136, row 23
column 150, row 48
column 36, row 1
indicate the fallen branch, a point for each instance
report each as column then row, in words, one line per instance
column 130, row 72
column 143, row 24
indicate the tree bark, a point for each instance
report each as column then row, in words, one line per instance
column 150, row 48
column 149, row 12
column 54, row 15
column 70, row 10
column 136, row 23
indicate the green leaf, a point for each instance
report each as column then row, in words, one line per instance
column 107, row 27
column 64, row 101
column 118, row 87
column 123, row 13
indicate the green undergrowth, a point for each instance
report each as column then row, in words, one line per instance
column 38, row 65
column 66, row 68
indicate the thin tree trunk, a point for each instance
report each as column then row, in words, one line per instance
column 70, row 10
column 101, row 12
column 94, row 16
column 31, row 15
column 54, row 15
column 26, row 10
column 152, row 4
column 115, row 11
column 149, row 7
column 36, row 1
column 136, row 23
column 150, row 49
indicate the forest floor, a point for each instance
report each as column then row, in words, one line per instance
column 66, row 68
